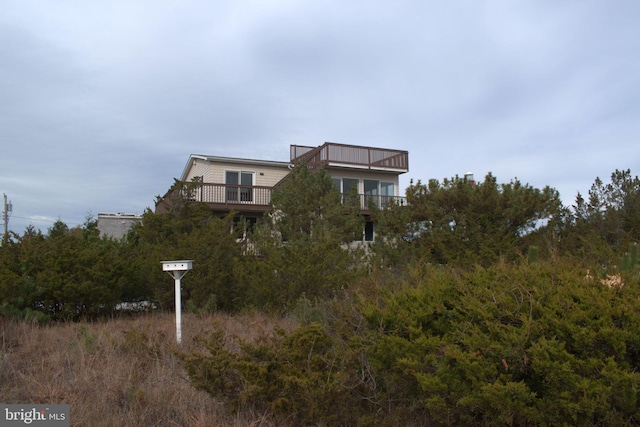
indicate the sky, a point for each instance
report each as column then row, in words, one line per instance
column 102, row 102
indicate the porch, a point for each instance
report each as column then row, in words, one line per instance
column 251, row 198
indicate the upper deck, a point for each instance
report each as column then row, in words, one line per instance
column 331, row 154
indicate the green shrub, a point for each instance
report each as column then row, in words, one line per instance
column 530, row 344
column 301, row 377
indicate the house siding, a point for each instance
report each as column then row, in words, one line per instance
column 198, row 168
column 116, row 225
column 214, row 172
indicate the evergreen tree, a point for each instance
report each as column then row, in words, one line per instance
column 304, row 243
column 612, row 212
column 191, row 232
column 68, row 274
column 461, row 222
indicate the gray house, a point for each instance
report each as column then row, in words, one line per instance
column 116, row 225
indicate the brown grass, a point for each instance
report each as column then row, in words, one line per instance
column 121, row 372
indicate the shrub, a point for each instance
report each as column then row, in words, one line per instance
column 530, row 344
column 300, row 377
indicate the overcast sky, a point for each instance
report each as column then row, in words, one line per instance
column 102, row 102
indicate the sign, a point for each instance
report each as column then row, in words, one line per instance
column 34, row 415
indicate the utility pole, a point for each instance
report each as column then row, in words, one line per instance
column 5, row 217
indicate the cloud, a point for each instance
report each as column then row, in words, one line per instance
column 102, row 103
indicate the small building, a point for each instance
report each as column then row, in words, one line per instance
column 116, row 225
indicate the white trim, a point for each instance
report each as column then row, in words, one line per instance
column 365, row 167
column 347, row 166
column 389, row 169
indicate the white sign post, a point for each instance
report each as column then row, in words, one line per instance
column 177, row 269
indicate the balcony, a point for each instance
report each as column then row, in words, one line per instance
column 351, row 156
column 227, row 197
column 256, row 199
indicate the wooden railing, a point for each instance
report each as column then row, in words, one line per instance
column 228, row 196
column 351, row 155
column 231, row 194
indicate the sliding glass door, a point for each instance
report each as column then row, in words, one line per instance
column 244, row 181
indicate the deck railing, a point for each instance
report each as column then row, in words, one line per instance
column 231, row 194
column 351, row 155
column 251, row 196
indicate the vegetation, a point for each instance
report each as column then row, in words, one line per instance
column 119, row 372
column 486, row 304
column 464, row 223
column 302, row 245
column 528, row 344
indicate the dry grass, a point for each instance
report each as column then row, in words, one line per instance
column 119, row 372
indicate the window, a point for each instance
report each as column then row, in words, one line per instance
column 386, row 193
column 348, row 185
column 380, row 193
column 368, row 231
column 371, row 191
column 370, row 187
column 345, row 185
column 338, row 183
column 244, row 181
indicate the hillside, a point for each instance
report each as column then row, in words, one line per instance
column 118, row 372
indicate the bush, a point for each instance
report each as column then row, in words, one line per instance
column 508, row 345
column 300, row 377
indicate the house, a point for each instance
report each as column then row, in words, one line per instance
column 116, row 225
column 245, row 185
